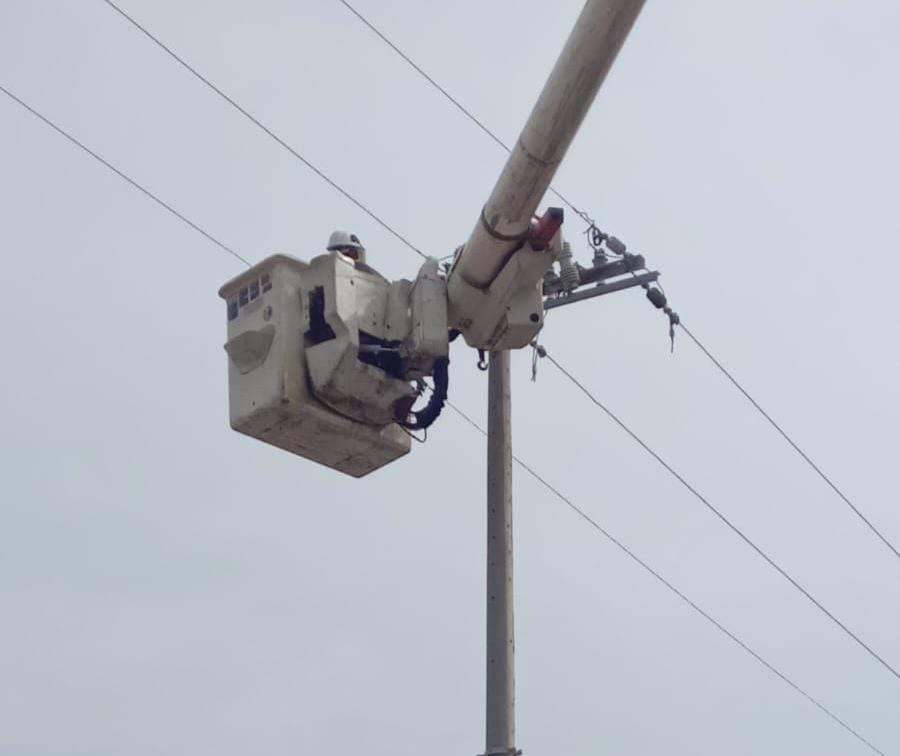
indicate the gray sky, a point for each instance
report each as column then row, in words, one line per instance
column 170, row 587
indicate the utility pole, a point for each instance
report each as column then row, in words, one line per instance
column 500, row 720
column 504, row 226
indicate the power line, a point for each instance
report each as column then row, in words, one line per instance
column 699, row 610
column 674, row 320
column 719, row 514
column 493, row 136
column 471, row 116
column 462, row 108
column 123, row 175
column 787, row 438
column 518, row 461
column 321, row 174
column 468, row 113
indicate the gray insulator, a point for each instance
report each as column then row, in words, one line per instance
column 615, row 246
column 656, row 297
column 568, row 272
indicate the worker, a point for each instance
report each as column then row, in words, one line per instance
column 349, row 245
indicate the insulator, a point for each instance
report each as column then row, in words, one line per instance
column 657, row 298
column 568, row 273
column 615, row 246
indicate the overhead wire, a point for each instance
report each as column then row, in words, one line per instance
column 468, row 113
column 718, row 513
column 674, row 589
column 459, row 106
column 121, row 174
column 660, row 302
column 787, row 438
column 587, row 219
column 196, row 227
column 387, row 227
column 727, row 522
column 254, row 120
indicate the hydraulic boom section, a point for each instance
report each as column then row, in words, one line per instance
column 495, row 283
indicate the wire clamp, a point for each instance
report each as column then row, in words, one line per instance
column 658, row 300
column 536, row 351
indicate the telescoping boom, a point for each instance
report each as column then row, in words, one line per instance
column 494, row 285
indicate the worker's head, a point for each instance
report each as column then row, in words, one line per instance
column 347, row 244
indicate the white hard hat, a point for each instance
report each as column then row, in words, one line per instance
column 339, row 239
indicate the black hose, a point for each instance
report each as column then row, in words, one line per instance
column 429, row 413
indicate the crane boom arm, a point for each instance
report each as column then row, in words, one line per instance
column 505, row 220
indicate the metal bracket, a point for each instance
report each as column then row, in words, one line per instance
column 636, row 279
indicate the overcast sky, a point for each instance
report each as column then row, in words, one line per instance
column 168, row 586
